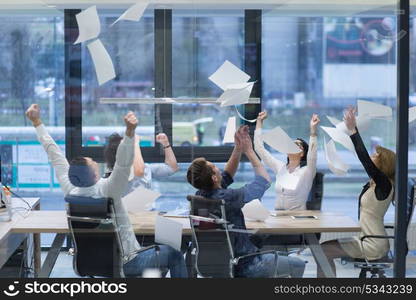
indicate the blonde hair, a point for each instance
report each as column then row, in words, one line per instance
column 386, row 162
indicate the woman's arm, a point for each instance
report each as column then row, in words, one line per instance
column 138, row 163
column 273, row 163
column 313, row 144
column 383, row 184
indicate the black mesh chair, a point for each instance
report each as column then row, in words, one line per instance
column 97, row 244
column 213, row 239
column 377, row 268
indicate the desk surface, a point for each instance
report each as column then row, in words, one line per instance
column 143, row 223
column 5, row 227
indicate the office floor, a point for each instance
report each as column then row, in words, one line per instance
column 63, row 267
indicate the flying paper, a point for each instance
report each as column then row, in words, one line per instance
column 133, row 13
column 230, row 131
column 104, row 67
column 280, row 141
column 168, row 232
column 88, row 24
column 340, row 137
column 236, row 94
column 140, row 199
column 228, row 74
column 374, row 110
column 334, row 121
column 242, row 118
column 412, row 114
column 255, row 210
column 363, row 122
column 335, row 164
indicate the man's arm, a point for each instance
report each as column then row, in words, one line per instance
column 55, row 155
column 117, row 182
column 170, row 158
column 258, row 167
column 234, row 160
column 138, row 164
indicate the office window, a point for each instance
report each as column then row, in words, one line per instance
column 202, row 41
column 131, row 48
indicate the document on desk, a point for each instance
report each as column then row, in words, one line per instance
column 230, row 131
column 255, row 210
column 89, row 25
column 103, row 64
column 374, row 110
column 133, row 13
column 140, row 199
column 168, row 232
column 228, row 74
column 278, row 139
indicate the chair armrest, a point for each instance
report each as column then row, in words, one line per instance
column 377, row 237
column 389, row 227
column 90, row 220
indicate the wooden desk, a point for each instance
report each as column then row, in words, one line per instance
column 144, row 224
column 9, row 242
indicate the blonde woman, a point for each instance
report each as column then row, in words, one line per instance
column 300, row 166
column 374, row 201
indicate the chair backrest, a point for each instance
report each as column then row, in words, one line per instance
column 314, row 201
column 96, row 241
column 212, row 241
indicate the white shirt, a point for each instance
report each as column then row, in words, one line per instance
column 292, row 189
column 111, row 187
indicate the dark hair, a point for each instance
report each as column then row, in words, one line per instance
column 200, row 174
column 110, row 150
column 80, row 174
column 303, row 159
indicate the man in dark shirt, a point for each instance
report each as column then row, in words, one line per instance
column 212, row 183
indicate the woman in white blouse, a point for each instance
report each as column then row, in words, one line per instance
column 294, row 178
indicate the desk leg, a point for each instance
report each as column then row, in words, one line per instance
column 37, row 262
column 319, row 254
column 52, row 256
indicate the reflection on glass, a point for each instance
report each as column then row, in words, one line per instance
column 202, row 41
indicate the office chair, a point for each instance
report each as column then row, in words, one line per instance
column 97, row 243
column 377, row 267
column 213, row 239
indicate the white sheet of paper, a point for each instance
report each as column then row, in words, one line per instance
column 230, row 131
column 278, row 139
column 335, row 163
column 334, row 121
column 228, row 74
column 412, row 114
column 256, row 211
column 168, row 232
column 340, row 137
column 363, row 122
column 288, row 181
column 133, row 13
column 89, row 25
column 242, row 118
column 140, row 199
column 374, row 110
column 236, row 94
column 103, row 64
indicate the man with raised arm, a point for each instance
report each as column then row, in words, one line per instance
column 81, row 177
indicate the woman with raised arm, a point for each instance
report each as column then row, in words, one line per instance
column 300, row 167
column 373, row 202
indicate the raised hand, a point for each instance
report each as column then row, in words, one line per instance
column 162, row 139
column 33, row 114
column 314, row 124
column 349, row 119
column 131, row 123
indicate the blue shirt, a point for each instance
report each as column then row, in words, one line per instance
column 234, row 200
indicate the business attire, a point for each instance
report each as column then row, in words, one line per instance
column 112, row 187
column 374, row 201
column 295, row 196
column 235, row 199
